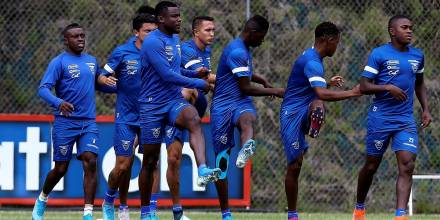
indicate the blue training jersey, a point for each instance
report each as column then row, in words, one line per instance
column 124, row 62
column 387, row 65
column 235, row 62
column 307, row 73
column 73, row 77
column 194, row 58
column 161, row 77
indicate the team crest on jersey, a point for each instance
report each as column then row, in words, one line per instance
column 132, row 67
column 223, row 139
column 169, row 53
column 414, row 65
column 156, row 132
column 91, row 67
column 392, row 67
column 170, row 132
column 378, row 144
column 178, row 49
column 125, row 144
column 63, row 149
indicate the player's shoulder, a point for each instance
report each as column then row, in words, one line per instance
column 88, row 57
column 415, row 51
column 188, row 46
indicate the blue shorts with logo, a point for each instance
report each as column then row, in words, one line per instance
column 223, row 122
column 124, row 139
column 378, row 137
column 292, row 127
column 68, row 131
column 154, row 117
column 173, row 133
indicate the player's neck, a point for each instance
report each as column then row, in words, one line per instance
column 199, row 44
column 138, row 44
column 165, row 31
column 320, row 49
column 398, row 46
column 70, row 51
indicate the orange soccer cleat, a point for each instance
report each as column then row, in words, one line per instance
column 359, row 214
column 405, row 217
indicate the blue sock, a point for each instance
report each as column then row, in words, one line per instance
column 201, row 167
column 110, row 196
column 292, row 214
column 226, row 212
column 145, row 210
column 177, row 211
column 123, row 206
column 400, row 212
column 153, row 202
column 360, row 206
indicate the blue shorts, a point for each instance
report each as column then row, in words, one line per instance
column 124, row 139
column 292, row 126
column 66, row 132
column 402, row 140
column 223, row 124
column 154, row 118
column 173, row 133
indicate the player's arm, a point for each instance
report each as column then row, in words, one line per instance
column 106, row 80
column 257, row 78
column 50, row 78
column 156, row 54
column 246, row 87
column 420, row 90
column 191, row 65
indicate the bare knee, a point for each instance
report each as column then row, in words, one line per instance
column 60, row 170
column 371, row 167
column 406, row 167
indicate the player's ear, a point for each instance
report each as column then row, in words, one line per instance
column 391, row 31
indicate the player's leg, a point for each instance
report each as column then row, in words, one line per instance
column 173, row 176
column 63, row 136
column 146, row 176
column 245, row 124
column 185, row 116
column 376, row 145
column 316, row 117
column 405, row 144
column 88, row 154
column 222, row 162
column 291, row 186
column 124, row 143
column 155, row 189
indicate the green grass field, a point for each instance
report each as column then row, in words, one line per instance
column 60, row 215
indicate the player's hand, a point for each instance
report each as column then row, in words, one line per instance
column 426, row 119
column 207, row 88
column 110, row 81
column 203, row 72
column 337, row 81
column 66, row 108
column 279, row 92
column 396, row 92
column 356, row 90
column 211, row 78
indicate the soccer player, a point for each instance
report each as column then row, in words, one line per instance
column 122, row 70
column 232, row 105
column 393, row 72
column 196, row 54
column 73, row 74
column 161, row 101
column 302, row 110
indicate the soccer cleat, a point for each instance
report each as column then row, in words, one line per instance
column 39, row 208
column 404, row 217
column 124, row 214
column 149, row 216
column 108, row 211
column 245, row 153
column 228, row 217
column 184, row 218
column 317, row 119
column 359, row 214
column 207, row 175
column 88, row 217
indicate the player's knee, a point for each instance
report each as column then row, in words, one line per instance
column 60, row 170
column 123, row 168
column 222, row 162
column 371, row 168
column 173, row 161
column 407, row 167
column 150, row 162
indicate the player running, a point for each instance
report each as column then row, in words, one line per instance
column 232, row 105
column 393, row 72
column 122, row 70
column 196, row 55
column 302, row 110
column 161, row 101
column 73, row 74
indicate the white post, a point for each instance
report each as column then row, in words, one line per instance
column 410, row 203
column 248, row 9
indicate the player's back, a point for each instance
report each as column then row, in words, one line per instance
column 75, row 82
column 299, row 92
column 235, row 60
column 155, row 47
column 125, row 63
column 387, row 65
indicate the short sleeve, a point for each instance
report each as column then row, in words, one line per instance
column 113, row 62
column 314, row 71
column 238, row 62
column 372, row 68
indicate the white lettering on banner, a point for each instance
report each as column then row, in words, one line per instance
column 7, row 165
column 164, row 165
column 32, row 148
column 108, row 162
